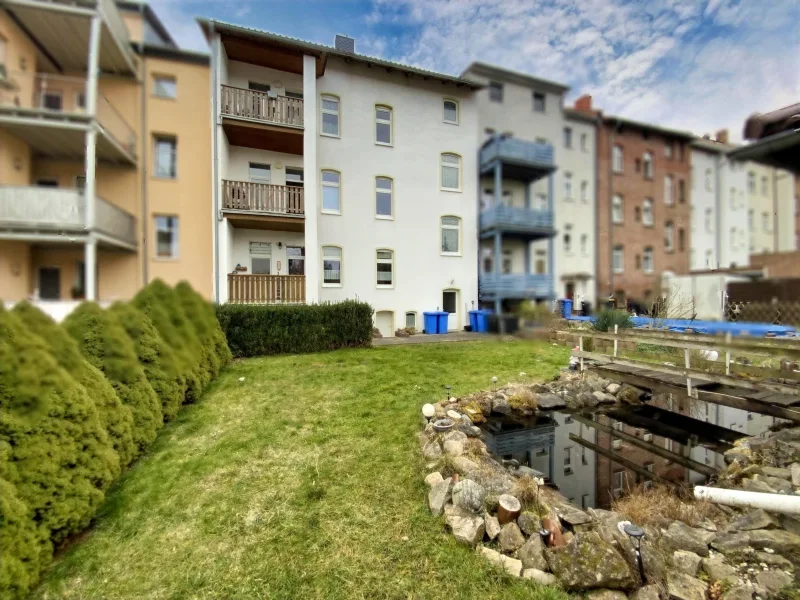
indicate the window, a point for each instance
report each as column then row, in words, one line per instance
column 681, row 191
column 51, row 100
column 637, row 214
column 538, row 102
column 540, row 264
column 733, row 198
column 383, row 125
column 568, row 460
column 451, row 172
column 709, row 183
column 450, row 112
column 648, row 165
column 584, row 142
column 668, row 149
column 733, row 238
column 751, row 182
column 764, row 186
column 296, row 257
column 709, row 220
column 765, row 222
column 80, row 100
column 709, row 259
column 330, row 116
column 617, row 259
column 669, row 199
column 508, row 262
column 164, row 156
column 331, row 188
column 165, row 86
column 166, row 236
column 411, row 320
column 260, row 258
column 259, row 173
column 331, row 265
column 568, row 239
column 584, row 244
column 451, row 235
column 681, row 239
column 383, row 197
column 568, row 185
column 584, row 191
column 617, row 213
column 669, row 236
column 385, row 263
column 647, row 212
column 540, row 201
column 258, row 87
column 619, row 483
column 294, row 177
column 750, row 219
column 647, row 260
column 638, row 165
column 495, row 91
column 568, row 137
column 616, row 159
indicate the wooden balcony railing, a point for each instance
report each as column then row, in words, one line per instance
column 266, row 289
column 260, row 106
column 262, row 197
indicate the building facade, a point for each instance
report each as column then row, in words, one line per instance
column 342, row 176
column 91, row 203
column 537, row 190
column 771, row 205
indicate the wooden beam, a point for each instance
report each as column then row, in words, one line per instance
column 749, row 405
column 651, row 448
column 622, row 461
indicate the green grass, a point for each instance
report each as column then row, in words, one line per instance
column 302, row 481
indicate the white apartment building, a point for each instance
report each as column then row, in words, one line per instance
column 339, row 176
column 720, row 233
column 770, row 196
column 537, row 190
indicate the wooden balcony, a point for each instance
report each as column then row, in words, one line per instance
column 262, row 121
column 266, row 289
column 263, row 205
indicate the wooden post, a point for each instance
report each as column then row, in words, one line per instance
column 580, row 347
column 616, row 342
column 508, row 509
column 688, row 377
column 622, row 461
column 727, row 355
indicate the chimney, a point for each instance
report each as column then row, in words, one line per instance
column 584, row 103
column 722, row 136
column 345, row 44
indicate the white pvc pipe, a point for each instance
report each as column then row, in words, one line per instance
column 779, row 503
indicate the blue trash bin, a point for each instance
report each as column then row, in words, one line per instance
column 483, row 320
column 566, row 310
column 442, row 322
column 431, row 321
column 473, row 320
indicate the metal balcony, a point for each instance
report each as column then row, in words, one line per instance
column 517, row 222
column 514, row 286
column 521, row 160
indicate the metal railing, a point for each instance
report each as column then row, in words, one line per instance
column 515, row 285
column 266, row 289
column 261, row 106
column 262, row 197
column 518, row 151
column 111, row 220
column 115, row 23
column 516, row 218
column 115, row 124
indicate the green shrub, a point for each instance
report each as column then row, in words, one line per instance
column 115, row 417
column 606, row 319
column 53, row 449
column 24, row 550
column 193, row 309
column 105, row 344
column 257, row 330
column 156, row 357
column 195, row 305
column 158, row 301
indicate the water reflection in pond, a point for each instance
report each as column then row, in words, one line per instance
column 572, row 449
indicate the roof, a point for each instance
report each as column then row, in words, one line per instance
column 150, row 15
column 322, row 51
column 711, row 145
column 781, row 150
column 580, row 115
column 675, row 133
column 524, row 79
column 166, row 52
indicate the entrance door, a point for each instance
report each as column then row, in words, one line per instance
column 49, row 283
column 450, row 305
column 570, row 290
column 384, row 321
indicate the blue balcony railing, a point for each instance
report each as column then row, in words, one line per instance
column 514, row 285
column 517, row 219
column 518, row 151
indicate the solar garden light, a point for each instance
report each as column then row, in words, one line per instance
column 428, row 411
column 544, row 533
column 448, row 388
column 635, row 533
column 494, row 384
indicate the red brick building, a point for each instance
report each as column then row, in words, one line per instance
column 643, row 205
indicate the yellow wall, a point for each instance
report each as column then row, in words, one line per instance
column 117, row 184
column 20, row 63
column 188, row 196
column 15, row 160
column 15, row 270
column 135, row 24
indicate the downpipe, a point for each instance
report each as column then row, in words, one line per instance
column 778, row 503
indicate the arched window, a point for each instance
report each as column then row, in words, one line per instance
column 647, row 211
column 648, row 165
column 647, row 260
column 450, row 111
column 617, row 209
column 383, row 125
column 451, row 172
column 411, row 320
column 451, row 235
column 331, row 192
column 669, row 199
column 330, row 115
column 384, row 268
column 618, row 259
column 669, row 236
column 616, row 159
column 384, row 197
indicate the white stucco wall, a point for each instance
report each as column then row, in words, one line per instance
column 240, row 247
column 240, row 74
column 240, row 158
column 421, row 273
column 777, row 233
column 703, row 253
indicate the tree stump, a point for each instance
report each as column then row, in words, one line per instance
column 508, row 509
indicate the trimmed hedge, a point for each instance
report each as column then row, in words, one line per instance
column 115, row 417
column 106, row 345
column 155, row 356
column 204, row 318
column 21, row 558
column 257, row 330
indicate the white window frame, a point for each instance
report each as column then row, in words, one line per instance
column 764, row 185
column 618, row 259
column 709, row 220
column 734, row 204
column 389, row 122
column 161, row 77
column 338, row 186
column 412, row 313
column 174, row 243
column 648, row 265
column 157, row 138
column 584, row 191
column 260, row 250
column 378, row 190
column 384, row 261
column 647, row 165
column 584, row 142
column 585, row 244
column 708, row 181
column 330, row 111
column 495, row 86
column 647, row 212
column 567, row 185
column 444, row 111
column 751, row 182
column 568, row 239
column 617, row 159
column 669, row 237
column 536, row 96
column 618, row 209
column 443, row 165
column 568, row 137
column 259, row 178
column 341, row 265
column 442, row 227
column 669, row 190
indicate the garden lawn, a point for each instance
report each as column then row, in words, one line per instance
column 302, row 481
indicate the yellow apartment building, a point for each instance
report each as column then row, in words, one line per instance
column 105, row 147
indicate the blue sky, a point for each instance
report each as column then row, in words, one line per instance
column 700, row 65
